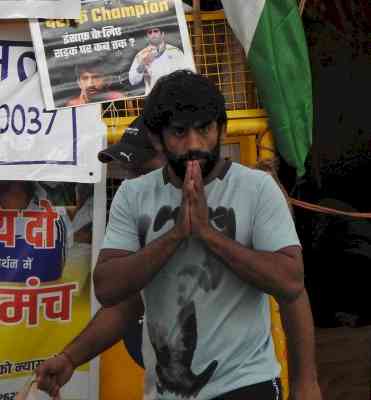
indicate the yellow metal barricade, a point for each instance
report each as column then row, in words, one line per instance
column 219, row 56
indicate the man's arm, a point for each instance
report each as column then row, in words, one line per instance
column 120, row 274
column 298, row 325
column 104, row 330
column 278, row 273
column 136, row 71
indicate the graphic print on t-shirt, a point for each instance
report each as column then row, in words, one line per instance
column 144, row 223
column 175, row 352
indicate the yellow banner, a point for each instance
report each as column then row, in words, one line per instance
column 45, row 264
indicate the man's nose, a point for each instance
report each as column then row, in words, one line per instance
column 194, row 140
column 90, row 82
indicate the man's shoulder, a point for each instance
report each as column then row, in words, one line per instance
column 169, row 47
column 244, row 179
column 247, row 174
column 75, row 101
column 143, row 184
column 113, row 95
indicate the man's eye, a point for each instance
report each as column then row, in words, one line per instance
column 204, row 130
column 179, row 132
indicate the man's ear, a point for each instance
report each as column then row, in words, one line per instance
column 156, row 142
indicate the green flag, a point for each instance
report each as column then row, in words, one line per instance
column 272, row 35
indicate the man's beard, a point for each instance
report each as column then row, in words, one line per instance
column 94, row 96
column 179, row 163
column 155, row 42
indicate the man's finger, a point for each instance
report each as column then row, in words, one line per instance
column 46, row 383
column 188, row 185
column 193, row 197
column 54, row 394
column 46, row 377
column 192, row 163
column 196, row 171
column 188, row 175
column 45, row 369
column 197, row 176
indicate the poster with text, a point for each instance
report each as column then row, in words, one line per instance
column 117, row 49
column 37, row 144
column 39, row 9
column 45, row 279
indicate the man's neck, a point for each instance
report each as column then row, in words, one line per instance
column 178, row 182
column 160, row 47
column 84, row 98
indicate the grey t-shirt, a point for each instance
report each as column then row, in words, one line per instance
column 209, row 330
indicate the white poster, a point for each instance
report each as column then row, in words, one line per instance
column 117, row 50
column 36, row 144
column 40, row 9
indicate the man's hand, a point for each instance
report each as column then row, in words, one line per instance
column 53, row 373
column 193, row 216
column 147, row 56
column 183, row 221
column 194, row 188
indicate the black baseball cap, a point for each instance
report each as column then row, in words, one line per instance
column 134, row 147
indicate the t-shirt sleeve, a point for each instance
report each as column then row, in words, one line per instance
column 121, row 231
column 273, row 226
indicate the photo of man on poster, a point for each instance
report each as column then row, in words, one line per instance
column 156, row 59
column 94, row 83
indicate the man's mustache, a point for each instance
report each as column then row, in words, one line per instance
column 193, row 155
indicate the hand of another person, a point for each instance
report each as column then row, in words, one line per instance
column 53, row 373
column 198, row 203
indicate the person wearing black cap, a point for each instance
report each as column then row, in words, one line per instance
column 157, row 59
column 219, row 237
column 135, row 151
column 137, row 155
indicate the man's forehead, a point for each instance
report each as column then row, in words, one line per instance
column 190, row 123
column 95, row 72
